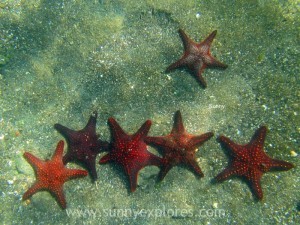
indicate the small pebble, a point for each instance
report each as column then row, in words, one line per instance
column 10, row 182
column 293, row 153
column 215, row 205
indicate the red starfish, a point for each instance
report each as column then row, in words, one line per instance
column 197, row 56
column 51, row 175
column 130, row 151
column 83, row 145
column 179, row 147
column 250, row 161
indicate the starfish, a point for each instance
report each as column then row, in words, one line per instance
column 250, row 161
column 179, row 147
column 130, row 151
column 83, row 145
column 197, row 56
column 51, row 175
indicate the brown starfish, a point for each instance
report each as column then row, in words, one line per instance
column 197, row 56
column 83, row 145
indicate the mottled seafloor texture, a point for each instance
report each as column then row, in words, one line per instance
column 61, row 60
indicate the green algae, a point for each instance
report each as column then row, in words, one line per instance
column 61, row 60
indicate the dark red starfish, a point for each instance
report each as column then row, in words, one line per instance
column 83, row 145
column 250, row 161
column 130, row 151
column 51, row 175
column 197, row 56
column 179, row 147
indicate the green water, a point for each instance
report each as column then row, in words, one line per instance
column 62, row 60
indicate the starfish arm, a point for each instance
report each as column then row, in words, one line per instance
column 256, row 190
column 177, row 64
column 199, row 76
column 154, row 160
column 91, row 125
column 132, row 169
column 57, row 156
column 32, row 160
column 66, row 132
column 225, row 174
column 68, row 157
column 91, row 167
column 178, row 127
column 207, row 42
column 60, row 197
column 74, row 173
column 160, row 141
column 195, row 167
column 143, row 131
column 156, row 141
column 212, row 62
column 105, row 159
column 254, row 183
column 88, row 163
column 37, row 186
column 280, row 165
column 93, row 173
column 258, row 139
column 117, row 132
column 197, row 141
column 185, row 39
column 230, row 145
column 164, row 170
column 132, row 174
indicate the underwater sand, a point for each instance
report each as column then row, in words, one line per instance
column 62, row 60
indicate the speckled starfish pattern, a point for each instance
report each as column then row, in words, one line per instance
column 250, row 161
column 130, row 151
column 51, row 175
